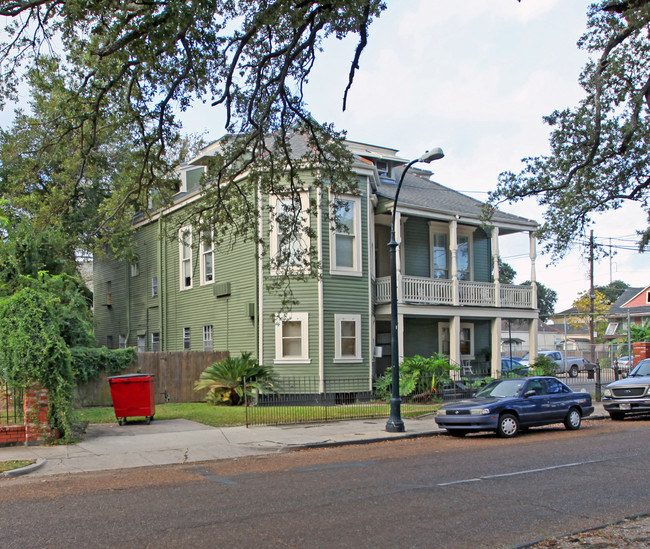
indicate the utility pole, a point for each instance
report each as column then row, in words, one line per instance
column 592, row 310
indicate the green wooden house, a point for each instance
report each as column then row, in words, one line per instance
column 184, row 293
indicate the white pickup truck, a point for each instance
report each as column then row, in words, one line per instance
column 565, row 365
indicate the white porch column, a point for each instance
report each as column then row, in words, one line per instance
column 495, row 332
column 454, row 340
column 533, row 274
column 532, row 338
column 453, row 247
column 495, row 267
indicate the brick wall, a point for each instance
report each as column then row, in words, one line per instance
column 34, row 429
column 641, row 351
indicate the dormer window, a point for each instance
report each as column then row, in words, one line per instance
column 383, row 168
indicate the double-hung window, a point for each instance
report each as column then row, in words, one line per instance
column 345, row 248
column 291, row 338
column 185, row 257
column 207, row 338
column 207, row 258
column 142, row 343
column 347, row 338
column 155, row 341
column 187, row 343
column 463, row 258
column 154, row 286
column 289, row 238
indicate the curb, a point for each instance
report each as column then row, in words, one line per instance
column 23, row 470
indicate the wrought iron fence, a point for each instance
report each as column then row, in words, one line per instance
column 309, row 399
column 11, row 406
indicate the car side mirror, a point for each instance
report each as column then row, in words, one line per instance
column 530, row 393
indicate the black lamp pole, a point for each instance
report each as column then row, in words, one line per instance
column 395, row 423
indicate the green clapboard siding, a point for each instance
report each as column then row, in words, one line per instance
column 482, row 257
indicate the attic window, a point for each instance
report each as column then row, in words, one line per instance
column 383, row 168
column 647, row 297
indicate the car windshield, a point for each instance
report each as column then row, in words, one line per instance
column 502, row 389
column 642, row 369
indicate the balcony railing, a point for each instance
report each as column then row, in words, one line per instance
column 433, row 291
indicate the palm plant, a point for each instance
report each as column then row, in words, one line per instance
column 227, row 379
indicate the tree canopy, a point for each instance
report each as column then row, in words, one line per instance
column 613, row 290
column 600, row 149
column 108, row 79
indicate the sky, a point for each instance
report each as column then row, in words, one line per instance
column 474, row 78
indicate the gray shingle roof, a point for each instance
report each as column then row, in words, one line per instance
column 419, row 191
column 618, row 309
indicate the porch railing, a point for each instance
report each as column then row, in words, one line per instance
column 434, row 291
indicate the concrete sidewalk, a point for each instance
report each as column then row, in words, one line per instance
column 109, row 446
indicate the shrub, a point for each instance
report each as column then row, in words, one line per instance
column 225, row 379
column 87, row 362
column 413, row 372
column 543, row 366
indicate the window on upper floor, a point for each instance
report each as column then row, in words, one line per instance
column 207, row 258
column 185, row 257
column 347, row 337
column 109, row 292
column 154, row 286
column 135, row 269
column 345, row 247
column 463, row 259
column 291, row 338
column 289, row 238
column 439, row 255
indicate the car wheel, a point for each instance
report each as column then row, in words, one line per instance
column 617, row 416
column 573, row 420
column 457, row 432
column 573, row 371
column 508, row 426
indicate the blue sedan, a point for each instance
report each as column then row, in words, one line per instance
column 507, row 405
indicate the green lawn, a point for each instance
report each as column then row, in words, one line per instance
column 230, row 416
column 202, row 412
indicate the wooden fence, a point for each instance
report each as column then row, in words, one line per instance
column 175, row 374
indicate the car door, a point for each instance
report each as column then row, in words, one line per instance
column 559, row 397
column 534, row 408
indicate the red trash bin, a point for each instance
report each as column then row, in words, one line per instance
column 133, row 396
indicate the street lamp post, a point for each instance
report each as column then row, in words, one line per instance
column 395, row 423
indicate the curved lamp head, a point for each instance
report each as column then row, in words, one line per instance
column 434, row 154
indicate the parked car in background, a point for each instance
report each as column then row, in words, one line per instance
column 564, row 365
column 622, row 363
column 512, row 365
column 508, row 405
column 630, row 395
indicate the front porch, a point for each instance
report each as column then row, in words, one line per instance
column 434, row 291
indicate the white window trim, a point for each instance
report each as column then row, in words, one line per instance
column 187, row 338
column 436, row 227
column 338, row 357
column 121, row 341
column 154, row 335
column 202, row 253
column 357, row 268
column 469, row 233
column 181, row 278
column 303, row 318
column 273, row 231
column 141, row 344
column 135, row 269
column 469, row 325
column 183, row 176
column 207, row 331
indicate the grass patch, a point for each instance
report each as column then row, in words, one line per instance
column 232, row 416
column 201, row 412
column 15, row 464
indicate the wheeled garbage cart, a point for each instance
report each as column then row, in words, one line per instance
column 133, row 396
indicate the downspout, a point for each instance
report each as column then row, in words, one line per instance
column 371, row 278
column 161, row 295
column 321, row 298
column 128, row 303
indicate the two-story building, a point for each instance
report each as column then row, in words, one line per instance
column 187, row 293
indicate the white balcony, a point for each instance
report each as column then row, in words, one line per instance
column 433, row 291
